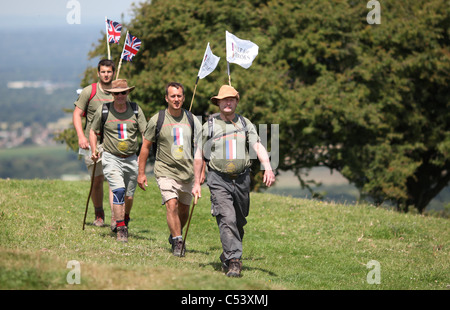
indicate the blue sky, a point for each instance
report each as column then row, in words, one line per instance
column 54, row 13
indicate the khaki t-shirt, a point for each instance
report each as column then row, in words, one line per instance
column 174, row 153
column 120, row 131
column 98, row 100
column 227, row 150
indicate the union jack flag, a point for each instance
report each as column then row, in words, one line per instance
column 131, row 47
column 114, row 29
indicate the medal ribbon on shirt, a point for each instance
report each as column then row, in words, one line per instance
column 122, row 129
column 231, row 149
column 122, row 135
column 177, row 149
column 178, row 136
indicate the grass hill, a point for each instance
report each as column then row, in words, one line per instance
column 290, row 244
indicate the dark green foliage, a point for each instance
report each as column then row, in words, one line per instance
column 370, row 101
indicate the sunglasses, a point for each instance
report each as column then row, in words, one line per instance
column 122, row 93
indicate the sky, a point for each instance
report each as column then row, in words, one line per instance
column 55, row 13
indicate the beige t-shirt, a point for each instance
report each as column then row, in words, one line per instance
column 227, row 150
column 97, row 101
column 174, row 153
column 120, row 131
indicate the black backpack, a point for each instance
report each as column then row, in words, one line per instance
column 160, row 122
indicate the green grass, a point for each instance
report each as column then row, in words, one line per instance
column 290, row 243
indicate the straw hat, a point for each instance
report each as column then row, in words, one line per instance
column 118, row 86
column 225, row 92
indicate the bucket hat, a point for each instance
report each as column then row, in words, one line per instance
column 225, row 92
column 118, row 86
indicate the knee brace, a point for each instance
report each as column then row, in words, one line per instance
column 119, row 196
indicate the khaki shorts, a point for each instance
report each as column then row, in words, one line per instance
column 121, row 172
column 171, row 188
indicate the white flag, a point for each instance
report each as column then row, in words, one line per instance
column 241, row 52
column 209, row 63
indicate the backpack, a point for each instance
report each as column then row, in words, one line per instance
column 211, row 129
column 105, row 112
column 159, row 123
column 93, row 92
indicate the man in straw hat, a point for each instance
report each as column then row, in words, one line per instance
column 118, row 128
column 173, row 169
column 227, row 155
column 90, row 98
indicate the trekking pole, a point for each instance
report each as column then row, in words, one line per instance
column 183, row 250
column 89, row 196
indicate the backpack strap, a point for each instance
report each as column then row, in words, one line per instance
column 159, row 123
column 191, row 123
column 244, row 127
column 93, row 92
column 207, row 155
column 135, row 108
column 105, row 112
column 211, row 125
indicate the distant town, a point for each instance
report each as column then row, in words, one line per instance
column 48, row 86
column 17, row 133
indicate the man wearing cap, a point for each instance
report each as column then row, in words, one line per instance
column 119, row 131
column 225, row 138
column 174, row 160
column 90, row 98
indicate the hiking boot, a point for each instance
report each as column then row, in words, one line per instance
column 171, row 238
column 99, row 217
column 99, row 221
column 122, row 234
column 235, row 267
column 177, row 247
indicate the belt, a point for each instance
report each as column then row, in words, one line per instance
column 231, row 176
column 123, row 156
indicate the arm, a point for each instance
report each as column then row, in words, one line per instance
column 142, row 160
column 76, row 119
column 203, row 175
column 199, row 175
column 93, row 142
column 269, row 176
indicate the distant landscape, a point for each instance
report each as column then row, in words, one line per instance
column 39, row 80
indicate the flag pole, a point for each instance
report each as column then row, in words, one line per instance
column 107, row 41
column 229, row 76
column 193, row 95
column 120, row 62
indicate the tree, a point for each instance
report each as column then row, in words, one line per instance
column 369, row 101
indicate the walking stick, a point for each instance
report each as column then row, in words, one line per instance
column 183, row 249
column 89, row 196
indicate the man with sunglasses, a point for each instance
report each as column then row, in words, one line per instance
column 120, row 145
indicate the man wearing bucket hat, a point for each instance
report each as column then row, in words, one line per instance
column 226, row 151
column 117, row 124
